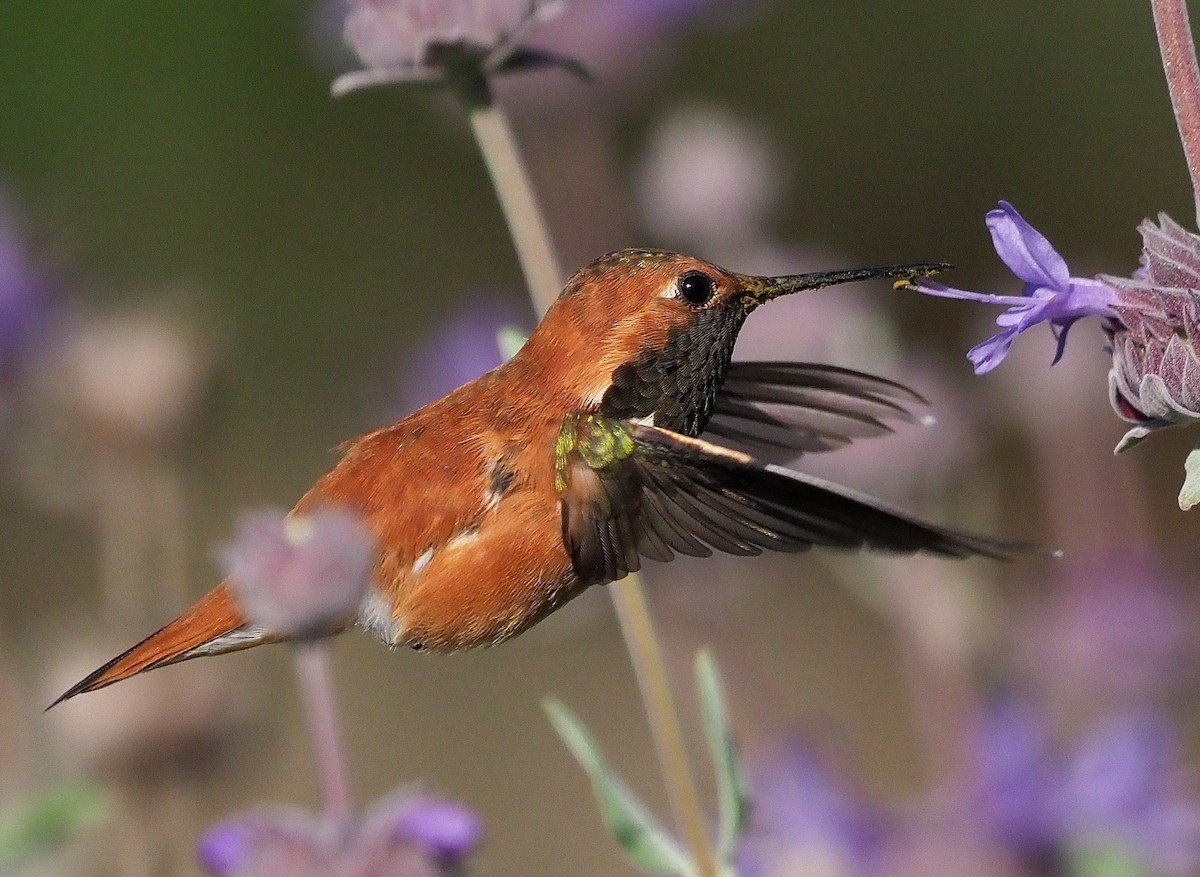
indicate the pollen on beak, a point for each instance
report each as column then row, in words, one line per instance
column 762, row 289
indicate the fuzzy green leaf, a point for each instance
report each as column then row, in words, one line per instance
column 1189, row 494
column 46, row 822
column 640, row 835
column 510, row 339
column 733, row 797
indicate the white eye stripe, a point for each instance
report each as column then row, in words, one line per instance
column 671, row 290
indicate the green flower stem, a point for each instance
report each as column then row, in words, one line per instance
column 315, row 674
column 1183, row 80
column 545, row 278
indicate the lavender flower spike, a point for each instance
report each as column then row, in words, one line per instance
column 1050, row 294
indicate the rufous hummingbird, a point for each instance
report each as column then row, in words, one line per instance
column 586, row 453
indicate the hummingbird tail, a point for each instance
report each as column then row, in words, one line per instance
column 211, row 626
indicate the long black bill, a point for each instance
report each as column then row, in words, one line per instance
column 761, row 289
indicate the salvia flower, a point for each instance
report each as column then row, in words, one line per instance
column 298, row 574
column 1114, row 789
column 1050, row 294
column 805, row 820
column 401, row 836
column 1155, row 376
column 431, row 40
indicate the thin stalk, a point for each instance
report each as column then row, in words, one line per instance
column 535, row 249
column 1183, row 80
column 531, row 236
column 315, row 675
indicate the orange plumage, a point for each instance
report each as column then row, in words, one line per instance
column 579, row 457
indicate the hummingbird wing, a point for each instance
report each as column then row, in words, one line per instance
column 630, row 491
column 800, row 407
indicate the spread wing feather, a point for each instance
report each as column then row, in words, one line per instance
column 662, row 494
column 797, row 407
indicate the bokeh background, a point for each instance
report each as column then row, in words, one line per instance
column 222, row 273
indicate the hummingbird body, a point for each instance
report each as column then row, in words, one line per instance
column 570, row 463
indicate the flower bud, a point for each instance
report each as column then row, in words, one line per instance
column 300, row 574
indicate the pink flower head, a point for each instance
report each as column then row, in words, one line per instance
column 431, row 40
column 300, row 574
column 1155, row 338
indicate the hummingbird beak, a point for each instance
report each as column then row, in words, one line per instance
column 757, row 290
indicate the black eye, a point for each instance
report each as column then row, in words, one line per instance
column 696, row 288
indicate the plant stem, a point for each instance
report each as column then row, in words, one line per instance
column 315, row 674
column 539, row 263
column 531, row 237
column 1183, row 80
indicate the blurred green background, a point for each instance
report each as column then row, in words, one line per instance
column 157, row 146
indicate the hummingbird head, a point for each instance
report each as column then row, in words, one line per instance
column 648, row 334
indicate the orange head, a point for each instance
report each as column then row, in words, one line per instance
column 649, row 333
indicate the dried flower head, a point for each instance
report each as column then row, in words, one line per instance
column 432, row 40
column 401, row 836
column 300, row 574
column 1155, row 376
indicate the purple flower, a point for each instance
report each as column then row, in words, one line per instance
column 804, row 819
column 300, row 574
column 24, row 309
column 428, row 40
column 459, row 349
column 1117, row 633
column 1018, row 776
column 1050, row 294
column 1116, row 786
column 401, row 836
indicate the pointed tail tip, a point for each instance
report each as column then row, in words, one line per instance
column 211, row 618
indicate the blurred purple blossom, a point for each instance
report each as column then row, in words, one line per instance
column 428, row 40
column 401, row 836
column 1116, row 785
column 23, row 307
column 1117, row 633
column 461, row 347
column 618, row 41
column 710, row 182
column 1050, row 294
column 299, row 574
column 22, row 292
column 804, row 820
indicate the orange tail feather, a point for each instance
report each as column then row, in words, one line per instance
column 196, row 632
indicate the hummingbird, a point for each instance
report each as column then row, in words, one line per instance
column 621, row 431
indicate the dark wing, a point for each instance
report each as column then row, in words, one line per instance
column 798, row 407
column 630, row 491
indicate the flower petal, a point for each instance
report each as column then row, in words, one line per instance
column 988, row 354
column 931, row 287
column 1025, row 250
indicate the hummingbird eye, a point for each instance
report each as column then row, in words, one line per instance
column 696, row 288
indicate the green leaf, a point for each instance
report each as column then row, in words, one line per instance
column 733, row 797
column 1189, row 494
column 640, row 835
column 510, row 339
column 1104, row 859
column 46, row 822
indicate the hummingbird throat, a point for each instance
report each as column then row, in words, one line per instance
column 676, row 384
